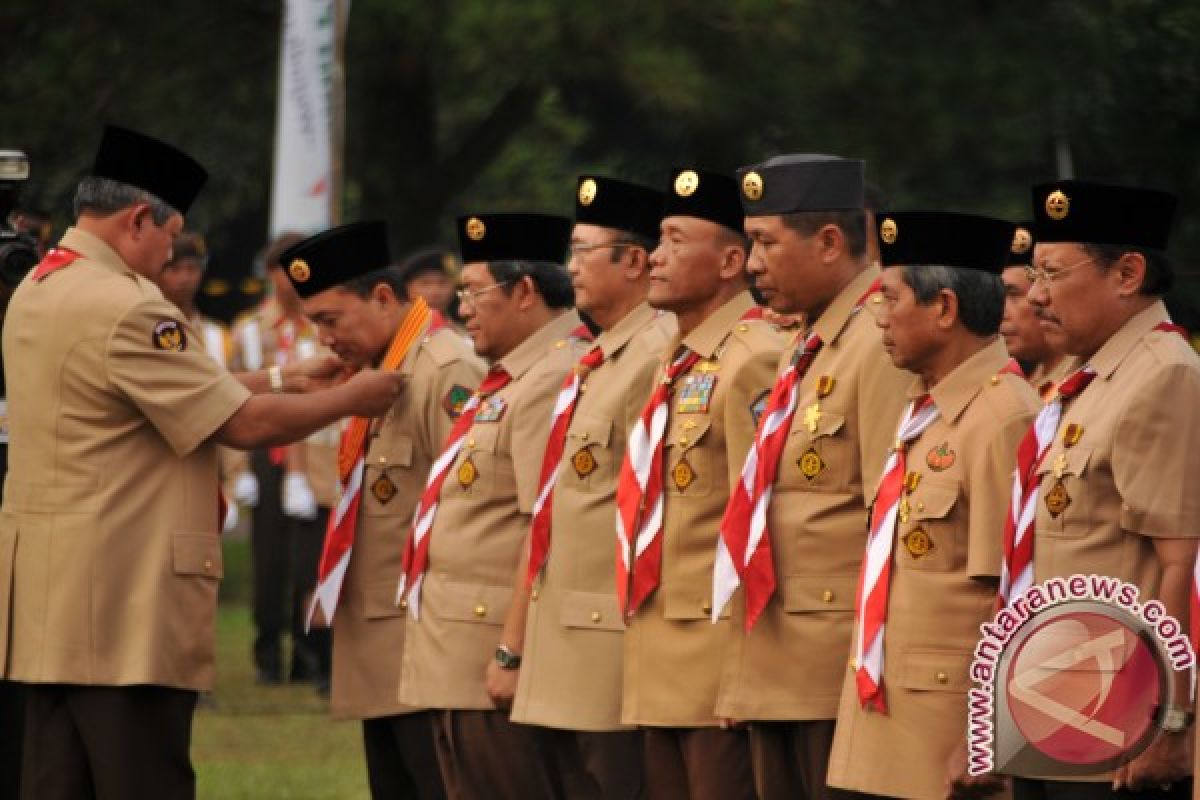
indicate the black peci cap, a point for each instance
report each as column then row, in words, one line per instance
column 612, row 203
column 1098, row 213
column 335, row 256
column 944, row 238
column 704, row 195
column 148, row 164
column 801, row 182
column 508, row 236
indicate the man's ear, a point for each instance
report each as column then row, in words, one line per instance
column 525, row 290
column 733, row 263
column 383, row 294
column 947, row 315
column 1130, row 273
column 136, row 216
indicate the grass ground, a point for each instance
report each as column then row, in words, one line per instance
column 262, row 743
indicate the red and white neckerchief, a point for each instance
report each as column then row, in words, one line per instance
column 1016, row 572
column 744, row 547
column 343, row 520
column 639, row 493
column 416, row 546
column 55, row 259
column 564, row 409
column 871, row 604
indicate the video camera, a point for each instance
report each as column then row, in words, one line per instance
column 18, row 251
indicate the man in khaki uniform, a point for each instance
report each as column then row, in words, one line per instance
column 720, row 366
column 292, row 491
column 805, row 215
column 1115, row 490
column 109, row 553
column 934, row 549
column 569, row 632
column 470, row 530
column 1023, row 336
column 361, row 311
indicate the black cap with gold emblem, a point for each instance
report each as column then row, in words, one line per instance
column 705, row 195
column 1020, row 253
column 335, row 256
column 1098, row 213
column 139, row 160
column 909, row 238
column 801, row 182
column 625, row 206
column 513, row 237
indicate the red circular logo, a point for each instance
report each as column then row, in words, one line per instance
column 1083, row 687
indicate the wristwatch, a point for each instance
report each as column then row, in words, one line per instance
column 1175, row 719
column 275, row 375
column 506, row 658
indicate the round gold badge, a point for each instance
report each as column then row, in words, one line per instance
column 888, row 230
column 683, row 475
column 1057, row 499
column 300, row 271
column 752, row 186
column 584, row 462
column 1057, row 205
column 686, row 183
column 587, row 192
column 1022, row 241
column 383, row 489
column 475, row 229
column 918, row 543
column 467, row 473
column 811, row 464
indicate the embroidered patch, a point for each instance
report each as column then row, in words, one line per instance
column 759, row 406
column 491, row 410
column 455, row 400
column 169, row 335
column 696, row 393
column 941, row 458
column 383, row 489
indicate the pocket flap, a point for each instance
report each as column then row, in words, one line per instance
column 594, row 610
column 687, row 430
column 586, row 430
column 1071, row 460
column 394, row 451
column 469, row 602
column 197, row 554
column 379, row 600
column 931, row 501
column 935, row 670
column 482, row 437
column 828, row 423
column 684, row 605
column 819, row 593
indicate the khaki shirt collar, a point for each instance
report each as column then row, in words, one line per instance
column 955, row 392
column 710, row 334
column 1120, row 344
column 95, row 249
column 533, row 349
column 830, row 325
column 614, row 340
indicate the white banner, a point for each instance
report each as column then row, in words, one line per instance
column 303, row 185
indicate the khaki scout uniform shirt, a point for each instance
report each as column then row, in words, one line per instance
column 479, row 533
column 792, row 664
column 946, row 557
column 571, row 668
column 1045, row 381
column 368, row 628
column 1129, row 477
column 673, row 652
column 109, row 556
column 257, row 344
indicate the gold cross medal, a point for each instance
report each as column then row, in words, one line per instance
column 1060, row 466
column 383, row 489
column 812, row 417
column 904, row 510
column 467, row 473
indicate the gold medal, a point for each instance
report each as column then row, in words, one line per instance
column 1057, row 499
column 1060, row 466
column 904, row 509
column 1072, row 434
column 825, row 385
column 683, row 475
column 812, row 417
column 917, row 543
column 811, row 464
column 584, row 462
column 467, row 473
column 383, row 489
column 911, row 481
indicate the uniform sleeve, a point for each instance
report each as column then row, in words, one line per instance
column 990, row 493
column 756, row 375
column 882, row 398
column 1155, row 458
column 159, row 363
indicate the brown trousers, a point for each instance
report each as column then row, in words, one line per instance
column 595, row 765
column 1026, row 789
column 790, row 759
column 401, row 761
column 128, row 742
column 698, row 764
column 485, row 756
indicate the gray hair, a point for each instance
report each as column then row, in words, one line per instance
column 105, row 196
column 980, row 294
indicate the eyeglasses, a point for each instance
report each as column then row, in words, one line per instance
column 1044, row 275
column 468, row 296
column 582, row 249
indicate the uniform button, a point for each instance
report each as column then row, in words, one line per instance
column 853, row 666
column 208, row 565
column 533, row 595
column 382, row 460
column 706, row 608
column 595, row 616
column 404, row 605
column 481, row 610
column 683, row 441
column 470, row 442
column 995, row 380
column 743, row 328
column 942, row 677
column 920, row 506
column 560, row 344
column 827, row 596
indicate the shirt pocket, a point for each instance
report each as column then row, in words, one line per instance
column 805, row 594
column 197, row 555
column 588, row 461
column 934, row 670
column 474, row 603
column 379, row 600
column 478, row 466
column 687, row 462
column 1064, row 509
column 820, row 459
column 595, row 611
column 388, row 467
column 930, row 539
